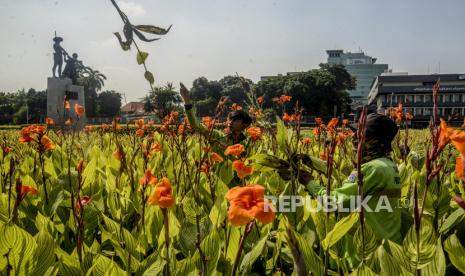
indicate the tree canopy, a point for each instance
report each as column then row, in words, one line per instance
column 162, row 100
column 318, row 91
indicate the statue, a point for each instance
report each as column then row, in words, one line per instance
column 70, row 70
column 57, row 56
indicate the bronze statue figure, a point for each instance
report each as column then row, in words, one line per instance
column 70, row 70
column 57, row 56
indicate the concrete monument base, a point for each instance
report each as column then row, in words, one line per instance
column 57, row 89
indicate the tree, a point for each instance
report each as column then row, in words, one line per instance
column 236, row 88
column 205, row 95
column 109, row 103
column 318, row 91
column 162, row 100
column 93, row 81
column 16, row 107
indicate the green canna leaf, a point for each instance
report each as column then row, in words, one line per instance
column 44, row 255
column 153, row 29
column 252, row 256
column 149, row 77
column 125, row 45
column 339, row 230
column 365, row 242
column 426, row 244
column 456, row 252
column 305, row 259
column 141, row 57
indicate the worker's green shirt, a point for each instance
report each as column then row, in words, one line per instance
column 380, row 179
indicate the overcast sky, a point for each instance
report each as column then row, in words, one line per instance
column 215, row 38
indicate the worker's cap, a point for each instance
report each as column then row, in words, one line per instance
column 241, row 115
column 379, row 127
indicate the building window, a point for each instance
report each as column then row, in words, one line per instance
column 417, row 112
column 418, row 98
column 427, row 111
column 409, row 98
column 447, row 99
column 428, row 98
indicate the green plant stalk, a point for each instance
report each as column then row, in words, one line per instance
column 248, row 229
column 167, row 239
column 361, row 139
column 329, row 172
column 197, row 244
column 417, row 221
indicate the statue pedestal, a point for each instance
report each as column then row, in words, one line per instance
column 57, row 89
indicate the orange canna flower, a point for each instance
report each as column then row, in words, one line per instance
column 260, row 100
column 450, row 135
column 333, row 123
column 6, row 150
column 216, row 157
column 49, row 121
column 69, row 121
column 248, row 203
column 79, row 109
column 241, row 169
column 25, row 138
column 104, row 126
column 205, row 168
column 80, row 166
column 28, row 190
column 306, row 141
column 148, row 178
column 117, row 154
column 140, row 132
column 155, row 148
column 47, row 143
column 115, row 125
column 345, row 122
column 207, row 121
column 236, row 107
column 88, row 128
column 285, row 98
column 235, row 150
column 139, row 123
column 162, row 194
column 459, row 169
column 341, row 137
column 463, row 125
column 316, row 131
column 457, row 139
column 443, row 135
column 67, row 105
column 85, row 200
column 181, row 129
column 255, row 133
column 288, row 118
column 318, row 121
column 408, row 116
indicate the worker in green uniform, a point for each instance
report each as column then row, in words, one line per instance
column 381, row 180
column 238, row 121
